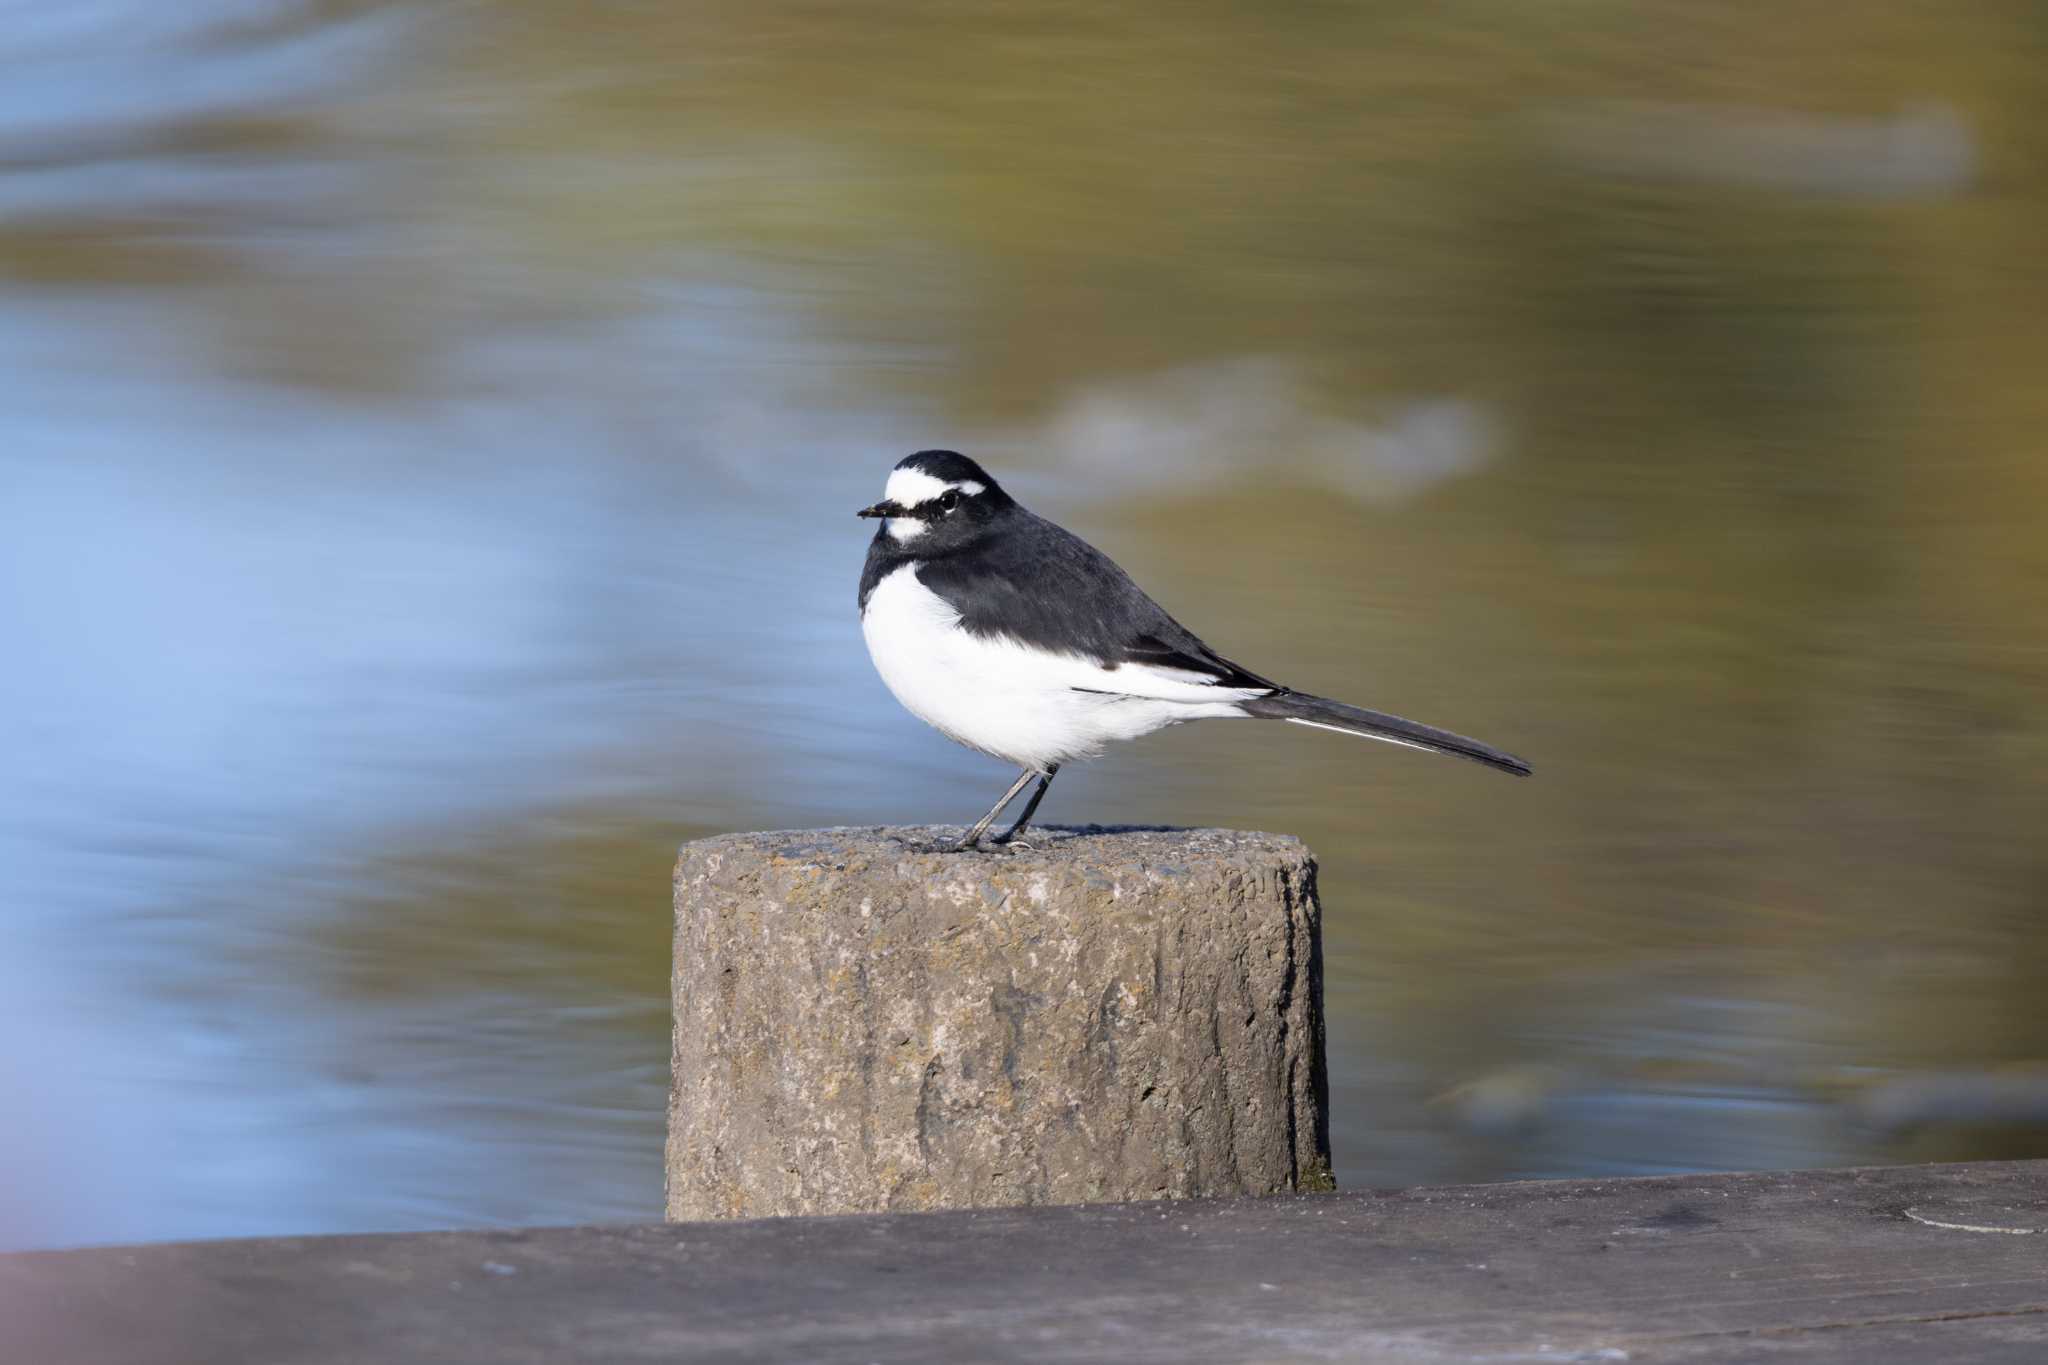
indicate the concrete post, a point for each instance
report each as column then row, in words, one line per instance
column 1113, row 1014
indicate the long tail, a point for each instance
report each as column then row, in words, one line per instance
column 1324, row 714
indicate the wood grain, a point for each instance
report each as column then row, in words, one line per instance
column 1807, row 1266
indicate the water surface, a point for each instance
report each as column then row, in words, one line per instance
column 430, row 439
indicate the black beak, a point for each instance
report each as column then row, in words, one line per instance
column 881, row 509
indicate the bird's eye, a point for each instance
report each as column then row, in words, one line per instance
column 948, row 500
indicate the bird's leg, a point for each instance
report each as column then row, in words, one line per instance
column 1030, row 807
column 981, row 826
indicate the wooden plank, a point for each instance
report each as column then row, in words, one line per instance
column 1932, row 1263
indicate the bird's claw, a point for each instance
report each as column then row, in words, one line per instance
column 987, row 846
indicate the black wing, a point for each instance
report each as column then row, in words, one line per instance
column 1044, row 586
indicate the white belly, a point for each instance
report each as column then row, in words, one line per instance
column 1012, row 701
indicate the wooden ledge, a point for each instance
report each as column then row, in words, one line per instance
column 1900, row 1264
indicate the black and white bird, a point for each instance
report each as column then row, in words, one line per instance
column 1017, row 638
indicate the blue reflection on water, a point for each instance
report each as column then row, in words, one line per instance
column 254, row 628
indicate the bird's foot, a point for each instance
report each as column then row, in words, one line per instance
column 992, row 846
column 987, row 843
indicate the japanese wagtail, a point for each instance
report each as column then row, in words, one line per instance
column 1018, row 639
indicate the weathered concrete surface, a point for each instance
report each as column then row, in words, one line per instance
column 1834, row 1267
column 862, row 1024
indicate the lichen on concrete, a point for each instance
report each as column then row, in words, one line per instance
column 862, row 1023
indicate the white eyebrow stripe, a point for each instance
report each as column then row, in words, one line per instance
column 909, row 487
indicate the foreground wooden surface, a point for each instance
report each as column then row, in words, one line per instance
column 1931, row 1263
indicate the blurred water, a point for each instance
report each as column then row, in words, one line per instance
column 425, row 474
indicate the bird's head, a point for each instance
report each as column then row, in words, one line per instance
column 937, row 501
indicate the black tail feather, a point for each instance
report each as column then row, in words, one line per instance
column 1304, row 709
